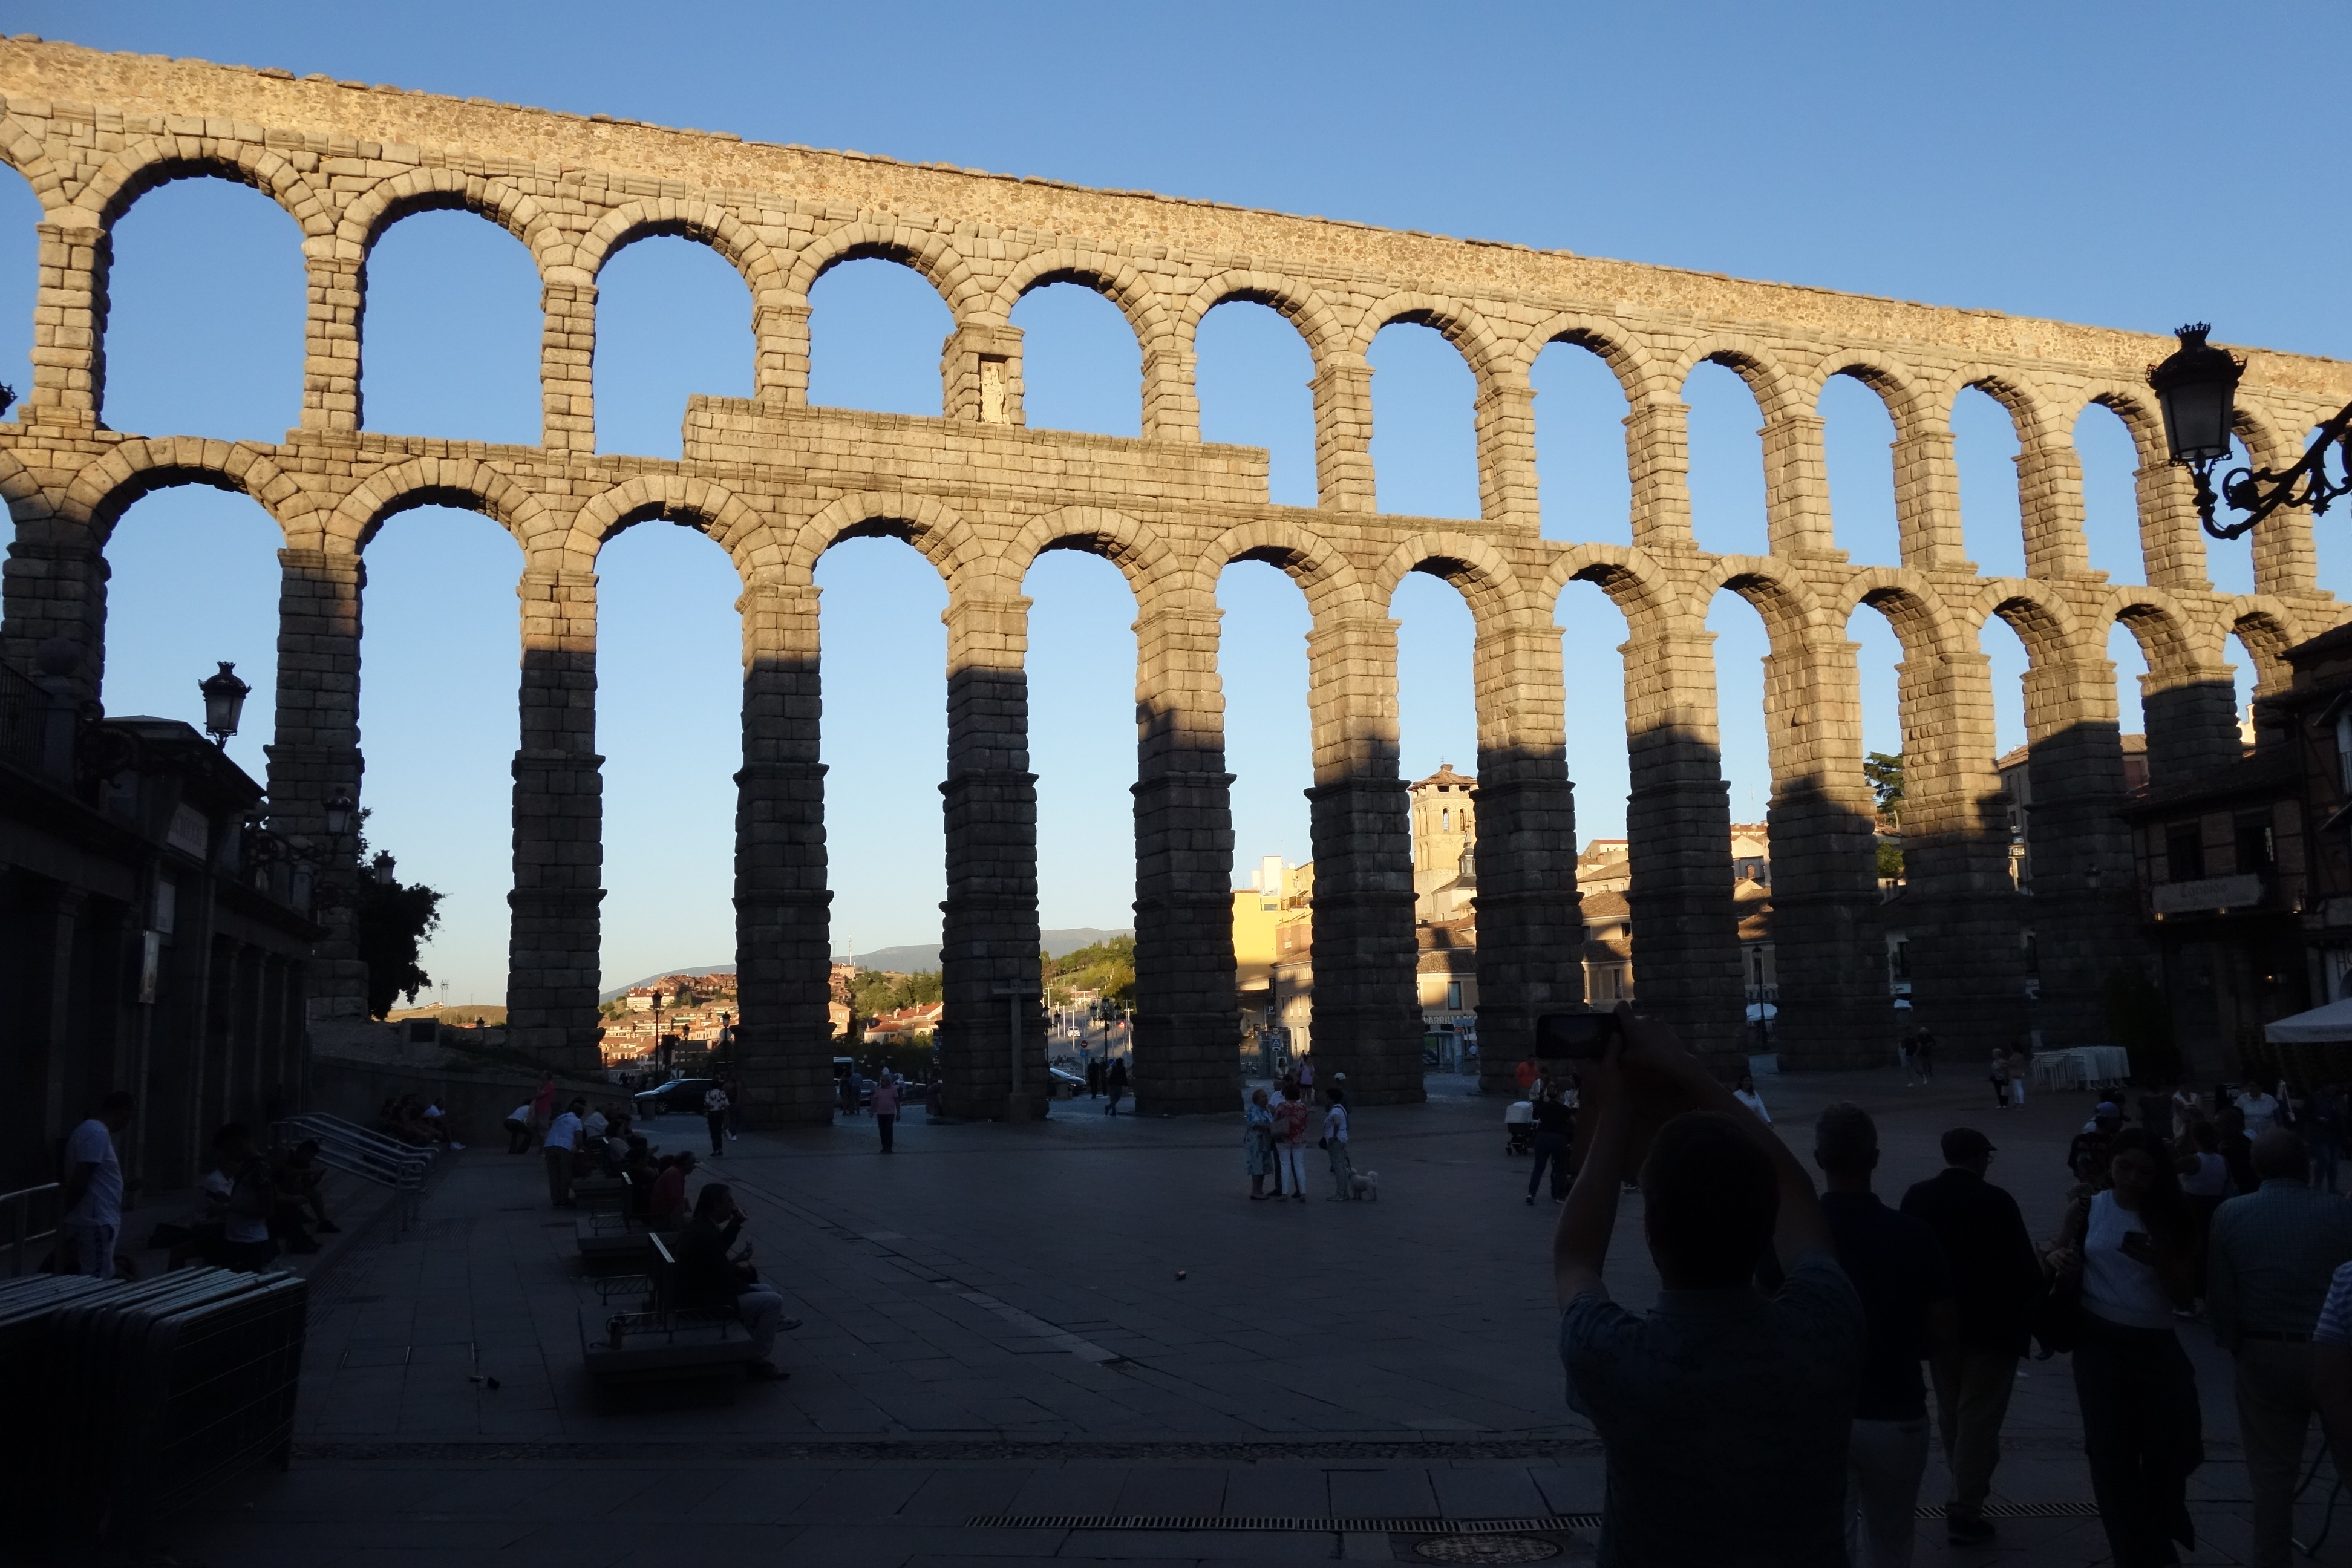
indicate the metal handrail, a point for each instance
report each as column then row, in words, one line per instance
column 18, row 1207
column 354, row 1150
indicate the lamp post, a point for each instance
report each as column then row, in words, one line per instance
column 2197, row 386
column 224, row 697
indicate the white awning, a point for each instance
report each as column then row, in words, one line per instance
column 2333, row 1022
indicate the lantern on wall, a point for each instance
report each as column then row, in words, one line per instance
column 2198, row 388
column 224, row 697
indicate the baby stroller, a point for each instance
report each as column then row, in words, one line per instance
column 1519, row 1125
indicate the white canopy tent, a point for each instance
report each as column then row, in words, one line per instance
column 2318, row 1027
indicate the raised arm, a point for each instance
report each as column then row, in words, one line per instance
column 1656, row 1053
column 1580, row 1242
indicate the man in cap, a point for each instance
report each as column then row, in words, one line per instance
column 1995, row 1280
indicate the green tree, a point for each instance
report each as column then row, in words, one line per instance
column 1890, row 859
column 1885, row 775
column 394, row 920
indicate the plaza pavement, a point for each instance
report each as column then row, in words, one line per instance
column 1083, row 1317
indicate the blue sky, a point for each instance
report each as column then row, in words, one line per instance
column 2000, row 156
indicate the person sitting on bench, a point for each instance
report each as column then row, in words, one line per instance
column 707, row 1278
column 666, row 1210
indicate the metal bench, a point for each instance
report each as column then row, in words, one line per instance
column 665, row 1344
column 609, row 1233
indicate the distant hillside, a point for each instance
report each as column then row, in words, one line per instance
column 912, row 960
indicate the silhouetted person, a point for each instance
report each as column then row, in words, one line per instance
column 1996, row 1280
column 1724, row 1413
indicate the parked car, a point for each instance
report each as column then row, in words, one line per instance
column 678, row 1094
column 1067, row 1084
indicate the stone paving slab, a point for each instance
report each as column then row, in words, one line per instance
column 1316, row 1359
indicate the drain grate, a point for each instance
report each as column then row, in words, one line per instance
column 1375, row 1524
column 1324, row 1524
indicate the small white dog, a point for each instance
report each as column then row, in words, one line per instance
column 1365, row 1185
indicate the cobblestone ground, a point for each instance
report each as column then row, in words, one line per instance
column 1082, row 1318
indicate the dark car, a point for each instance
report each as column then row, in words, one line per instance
column 678, row 1094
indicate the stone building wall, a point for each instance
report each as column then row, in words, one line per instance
column 777, row 482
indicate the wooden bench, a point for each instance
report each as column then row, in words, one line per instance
column 665, row 1344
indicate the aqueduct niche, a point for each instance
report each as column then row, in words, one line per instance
column 775, row 482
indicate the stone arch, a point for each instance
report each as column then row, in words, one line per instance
column 1298, row 303
column 1486, row 355
column 927, row 523
column 463, row 483
column 1109, row 276
column 2130, row 404
column 1630, row 575
column 1768, row 380
column 23, row 150
column 924, row 250
column 712, row 508
column 1638, row 375
column 1922, row 622
column 1475, row 568
column 2167, row 640
column 441, row 190
column 2268, row 443
column 144, row 165
column 105, row 488
column 2041, row 619
column 1323, row 575
column 2030, row 411
column 704, row 223
column 27, row 501
column 1786, row 603
column 1897, row 387
column 1141, row 556
column 2267, row 628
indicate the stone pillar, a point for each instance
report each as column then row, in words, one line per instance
column 337, row 288
column 1343, row 433
column 2050, row 501
column 783, row 946
column 70, row 322
column 1678, row 825
column 1928, row 503
column 1530, row 929
column 980, row 372
column 314, row 754
column 2084, row 910
column 1960, row 908
column 1505, row 416
column 988, row 959
column 780, row 338
column 1829, row 948
column 567, row 366
column 54, row 589
column 1657, row 457
column 2191, row 714
column 553, row 960
column 2171, row 540
column 1797, row 488
column 2285, row 562
column 1187, row 1020
column 1366, row 1014
column 1172, row 398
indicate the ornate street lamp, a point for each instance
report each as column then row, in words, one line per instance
column 2198, row 388
column 340, row 811
column 224, row 697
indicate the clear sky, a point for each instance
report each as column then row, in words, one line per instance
column 2094, row 162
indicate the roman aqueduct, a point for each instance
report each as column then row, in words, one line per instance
column 778, row 482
